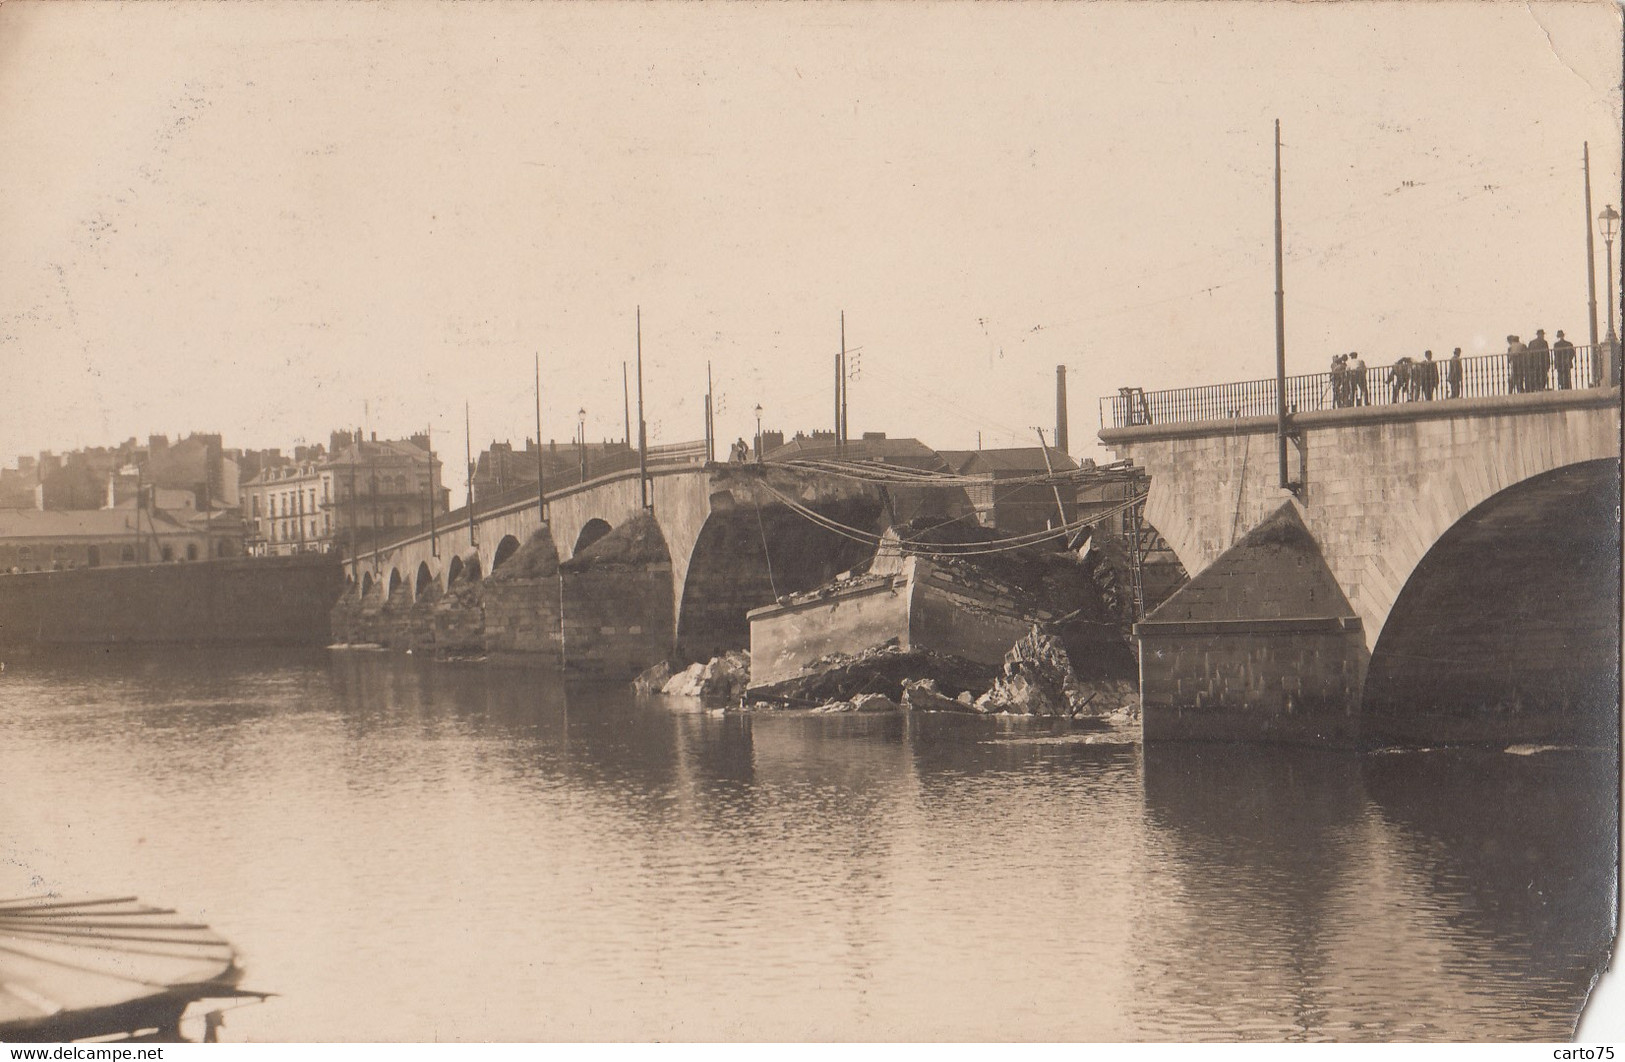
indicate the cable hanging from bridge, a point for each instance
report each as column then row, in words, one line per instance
column 950, row 549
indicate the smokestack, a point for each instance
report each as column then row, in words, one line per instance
column 1060, row 410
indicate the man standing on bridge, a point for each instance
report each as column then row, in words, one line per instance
column 1540, row 362
column 1362, row 393
column 1453, row 374
column 1517, row 356
column 1563, row 356
column 1429, row 373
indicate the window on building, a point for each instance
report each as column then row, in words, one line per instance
column 169, row 554
column 126, row 554
column 191, row 551
column 255, row 501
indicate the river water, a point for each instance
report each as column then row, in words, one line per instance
column 410, row 851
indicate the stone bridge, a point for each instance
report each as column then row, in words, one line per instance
column 718, row 540
column 1446, row 571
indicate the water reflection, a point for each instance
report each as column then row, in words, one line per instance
column 406, row 850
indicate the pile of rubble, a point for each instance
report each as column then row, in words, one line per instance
column 1036, row 679
column 721, row 682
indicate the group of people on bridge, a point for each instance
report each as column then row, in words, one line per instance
column 1530, row 365
column 1408, row 380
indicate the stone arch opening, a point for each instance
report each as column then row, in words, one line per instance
column 505, row 549
column 745, row 558
column 1508, row 630
column 454, row 572
column 366, row 584
column 425, row 585
column 394, row 584
column 471, row 570
column 591, row 532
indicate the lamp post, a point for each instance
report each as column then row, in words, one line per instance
column 758, row 433
column 581, row 440
column 1608, row 225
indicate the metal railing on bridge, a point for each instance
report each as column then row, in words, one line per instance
column 660, row 457
column 1378, row 385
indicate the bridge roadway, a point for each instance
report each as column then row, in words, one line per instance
column 729, row 543
column 1448, row 571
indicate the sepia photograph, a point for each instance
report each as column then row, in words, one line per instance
column 542, row 522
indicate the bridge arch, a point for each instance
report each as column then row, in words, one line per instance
column 591, row 532
column 395, row 584
column 746, row 556
column 454, row 571
column 424, row 586
column 1507, row 631
column 366, row 584
column 505, row 549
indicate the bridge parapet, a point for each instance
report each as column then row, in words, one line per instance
column 1403, row 383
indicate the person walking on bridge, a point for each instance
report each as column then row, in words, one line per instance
column 1563, row 358
column 1517, row 359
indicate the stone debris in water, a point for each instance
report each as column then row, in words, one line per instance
column 1038, row 680
column 721, row 681
column 881, row 669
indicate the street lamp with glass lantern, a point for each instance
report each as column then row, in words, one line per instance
column 758, row 433
column 581, row 440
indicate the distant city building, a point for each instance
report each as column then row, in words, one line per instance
column 164, row 527
column 344, row 498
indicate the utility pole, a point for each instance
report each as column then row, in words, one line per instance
column 434, row 541
column 845, row 437
column 1281, row 430
column 1050, row 468
column 626, row 406
column 541, row 483
column 468, row 456
column 710, row 430
column 837, row 401
column 355, row 545
column 643, row 429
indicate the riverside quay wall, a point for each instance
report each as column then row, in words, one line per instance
column 272, row 600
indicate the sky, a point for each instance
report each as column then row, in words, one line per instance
column 275, row 219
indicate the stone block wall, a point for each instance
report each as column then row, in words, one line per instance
column 281, row 600
column 1288, row 681
column 616, row 621
column 522, row 621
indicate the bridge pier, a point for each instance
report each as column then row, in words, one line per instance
column 1449, row 576
column 1261, row 646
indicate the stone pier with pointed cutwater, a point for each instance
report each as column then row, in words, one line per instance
column 1446, row 571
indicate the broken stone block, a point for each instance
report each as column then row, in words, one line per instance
column 873, row 702
column 654, row 679
column 922, row 695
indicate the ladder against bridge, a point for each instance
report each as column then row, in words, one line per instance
column 1135, row 411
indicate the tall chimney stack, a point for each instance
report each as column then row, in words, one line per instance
column 1060, row 410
